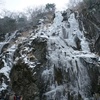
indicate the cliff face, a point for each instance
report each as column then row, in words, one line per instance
column 58, row 61
column 91, row 22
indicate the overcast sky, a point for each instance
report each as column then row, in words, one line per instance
column 20, row 5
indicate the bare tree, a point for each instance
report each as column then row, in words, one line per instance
column 73, row 3
column 7, row 13
column 50, row 7
column 1, row 5
column 34, row 14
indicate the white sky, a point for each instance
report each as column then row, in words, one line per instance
column 20, row 5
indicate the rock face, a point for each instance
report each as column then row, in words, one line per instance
column 91, row 23
column 23, row 82
column 26, row 77
column 56, row 62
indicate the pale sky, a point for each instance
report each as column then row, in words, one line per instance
column 20, row 5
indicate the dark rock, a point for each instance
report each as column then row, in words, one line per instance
column 1, row 63
column 65, row 17
column 78, row 41
column 4, row 48
column 58, row 75
column 91, row 23
column 97, row 45
column 93, row 72
column 23, row 82
column 40, row 49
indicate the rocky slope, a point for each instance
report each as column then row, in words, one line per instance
column 53, row 62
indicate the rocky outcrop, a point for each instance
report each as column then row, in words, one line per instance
column 91, row 23
column 24, row 79
column 57, row 61
column 93, row 69
column 56, row 64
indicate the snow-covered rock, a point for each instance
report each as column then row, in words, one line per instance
column 54, row 63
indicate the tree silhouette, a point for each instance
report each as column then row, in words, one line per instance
column 50, row 7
